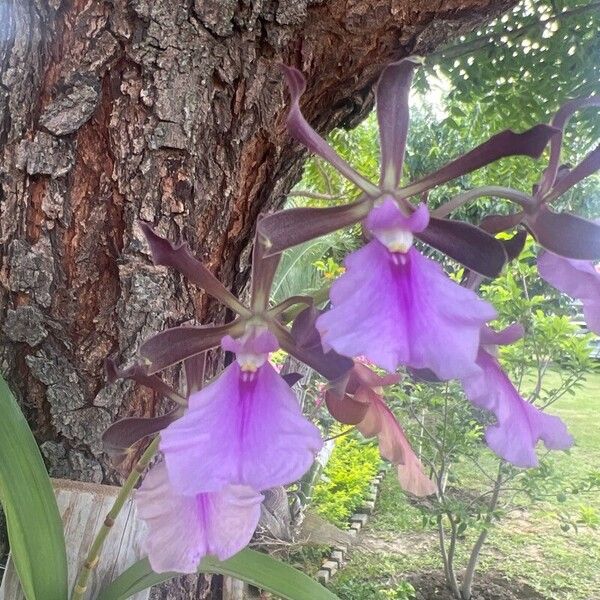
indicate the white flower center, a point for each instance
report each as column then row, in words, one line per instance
column 249, row 362
column 396, row 240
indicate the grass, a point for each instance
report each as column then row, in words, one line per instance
column 529, row 545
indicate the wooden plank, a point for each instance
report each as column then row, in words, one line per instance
column 83, row 507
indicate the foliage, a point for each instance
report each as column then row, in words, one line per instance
column 346, row 479
column 27, row 497
column 248, row 565
column 549, row 46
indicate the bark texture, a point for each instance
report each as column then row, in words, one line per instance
column 172, row 112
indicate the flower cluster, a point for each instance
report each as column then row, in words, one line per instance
column 244, row 432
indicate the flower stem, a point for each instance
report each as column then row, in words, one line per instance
column 93, row 556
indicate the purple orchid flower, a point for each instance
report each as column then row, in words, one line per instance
column 245, row 428
column 519, row 425
column 383, row 306
column 578, row 278
column 182, row 529
column 396, row 306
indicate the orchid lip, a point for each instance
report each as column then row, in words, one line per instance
column 396, row 240
column 250, row 362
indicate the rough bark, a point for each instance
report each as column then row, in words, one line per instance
column 172, row 112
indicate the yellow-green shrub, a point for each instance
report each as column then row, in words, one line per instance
column 346, row 479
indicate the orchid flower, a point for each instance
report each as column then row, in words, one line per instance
column 182, row 529
column 519, row 425
column 571, row 243
column 244, row 428
column 363, row 405
column 387, row 305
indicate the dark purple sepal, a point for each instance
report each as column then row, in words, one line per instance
column 174, row 345
column 292, row 378
column 301, row 131
column 590, row 164
column 181, row 258
column 195, row 369
column 121, row 436
column 560, row 120
column 514, row 246
column 507, row 143
column 137, row 373
column 291, row 227
column 264, row 266
column 289, row 303
column 392, row 94
column 467, row 244
column 497, row 223
column 565, row 234
column 304, row 343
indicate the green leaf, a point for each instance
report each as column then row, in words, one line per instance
column 261, row 570
column 35, row 530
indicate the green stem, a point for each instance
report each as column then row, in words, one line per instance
column 96, row 548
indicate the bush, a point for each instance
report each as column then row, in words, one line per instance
column 346, row 479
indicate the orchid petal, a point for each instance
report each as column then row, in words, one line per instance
column 467, row 244
column 258, row 340
column 387, row 309
column 395, row 447
column 306, row 135
column 392, row 114
column 266, row 440
column 179, row 343
column 577, row 278
column 519, row 425
column 388, row 215
column 507, row 143
column 184, row 529
column 287, row 228
column 504, row 337
column 180, row 257
column 565, row 234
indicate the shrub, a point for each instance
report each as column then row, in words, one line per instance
column 346, row 479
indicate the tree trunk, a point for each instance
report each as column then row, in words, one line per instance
column 171, row 112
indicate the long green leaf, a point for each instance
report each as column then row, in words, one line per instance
column 248, row 565
column 34, row 525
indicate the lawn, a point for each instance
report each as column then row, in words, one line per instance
column 528, row 546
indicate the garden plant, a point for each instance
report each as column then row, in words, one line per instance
column 435, row 313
